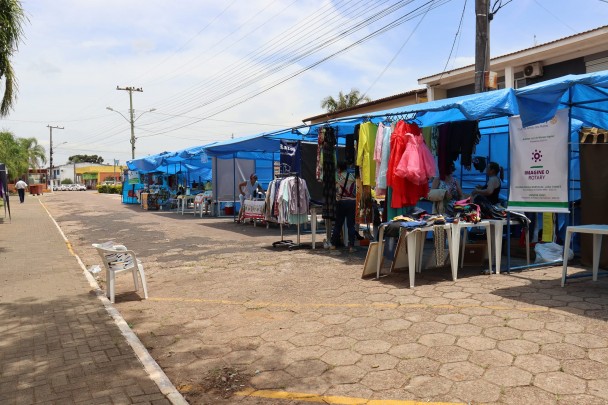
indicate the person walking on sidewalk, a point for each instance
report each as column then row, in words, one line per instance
column 21, row 186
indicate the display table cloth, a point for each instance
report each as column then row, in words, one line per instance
column 253, row 209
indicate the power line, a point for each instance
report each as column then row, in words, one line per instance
column 251, row 95
column 554, row 16
column 253, row 79
column 279, row 45
column 276, row 40
column 396, row 54
column 455, row 38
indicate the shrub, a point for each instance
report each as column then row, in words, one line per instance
column 102, row 188
column 67, row 181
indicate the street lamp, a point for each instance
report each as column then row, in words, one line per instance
column 131, row 121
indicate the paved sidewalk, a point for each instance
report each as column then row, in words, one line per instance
column 58, row 343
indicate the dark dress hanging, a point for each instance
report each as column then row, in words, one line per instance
column 329, row 173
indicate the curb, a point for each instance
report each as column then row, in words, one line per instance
column 150, row 365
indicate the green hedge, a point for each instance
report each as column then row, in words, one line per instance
column 109, row 188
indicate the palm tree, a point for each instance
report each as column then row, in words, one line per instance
column 12, row 17
column 344, row 101
column 12, row 155
column 35, row 153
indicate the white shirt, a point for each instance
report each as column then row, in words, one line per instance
column 250, row 189
column 21, row 185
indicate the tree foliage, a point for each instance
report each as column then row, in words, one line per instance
column 343, row 101
column 85, row 159
column 20, row 154
column 12, row 18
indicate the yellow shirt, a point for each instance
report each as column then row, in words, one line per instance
column 365, row 153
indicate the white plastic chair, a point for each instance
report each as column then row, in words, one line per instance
column 118, row 259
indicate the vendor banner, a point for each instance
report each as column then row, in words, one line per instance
column 133, row 176
column 539, row 165
column 290, row 157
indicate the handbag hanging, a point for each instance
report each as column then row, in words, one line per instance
column 436, row 194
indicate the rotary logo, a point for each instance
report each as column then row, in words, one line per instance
column 537, row 156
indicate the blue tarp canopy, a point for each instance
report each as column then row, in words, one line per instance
column 481, row 106
column 149, row 163
column 265, row 146
column 189, row 160
column 586, row 95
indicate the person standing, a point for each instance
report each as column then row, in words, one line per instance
column 251, row 188
column 21, row 186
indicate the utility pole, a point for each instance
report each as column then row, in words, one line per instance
column 131, row 89
column 51, row 175
column 482, row 43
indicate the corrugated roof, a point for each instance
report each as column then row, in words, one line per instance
column 328, row 115
column 522, row 50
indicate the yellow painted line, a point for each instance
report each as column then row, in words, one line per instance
column 389, row 305
column 67, row 242
column 330, row 399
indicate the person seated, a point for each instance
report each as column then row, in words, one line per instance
column 450, row 184
column 345, row 207
column 248, row 190
column 491, row 189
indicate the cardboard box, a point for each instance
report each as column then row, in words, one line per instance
column 475, row 254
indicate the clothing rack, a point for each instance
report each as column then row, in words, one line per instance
column 288, row 243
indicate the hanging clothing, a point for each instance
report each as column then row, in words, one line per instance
column 378, row 149
column 365, row 153
column 457, row 139
column 329, row 173
column 405, row 192
column 293, row 201
column 464, row 136
column 434, row 145
column 440, row 252
column 417, row 163
column 443, row 157
column 427, row 134
column 298, row 200
column 381, row 185
column 349, row 149
column 319, row 168
column 364, row 209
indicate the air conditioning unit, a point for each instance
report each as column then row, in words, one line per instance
column 533, row 70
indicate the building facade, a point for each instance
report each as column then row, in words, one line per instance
column 581, row 53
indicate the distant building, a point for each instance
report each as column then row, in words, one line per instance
column 93, row 174
column 89, row 174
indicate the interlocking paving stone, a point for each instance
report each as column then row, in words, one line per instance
column 305, row 321
column 56, row 336
column 558, row 382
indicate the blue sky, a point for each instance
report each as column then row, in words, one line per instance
column 187, row 55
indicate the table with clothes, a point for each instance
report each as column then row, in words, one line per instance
column 410, row 231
